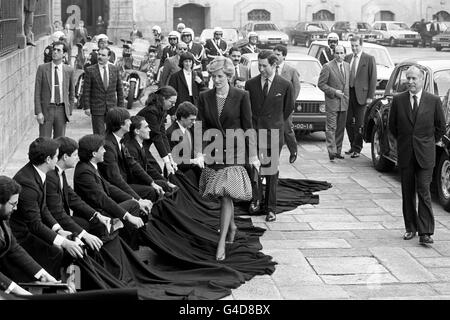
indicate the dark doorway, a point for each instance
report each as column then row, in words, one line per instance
column 192, row 15
column 442, row 16
column 385, row 15
column 323, row 15
column 88, row 11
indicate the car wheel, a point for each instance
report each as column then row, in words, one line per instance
column 442, row 179
column 293, row 41
column 379, row 162
column 392, row 42
column 438, row 48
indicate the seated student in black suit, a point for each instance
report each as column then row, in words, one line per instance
column 15, row 263
column 102, row 195
column 180, row 135
column 119, row 167
column 134, row 141
column 62, row 201
column 32, row 224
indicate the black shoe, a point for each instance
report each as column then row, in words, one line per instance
column 293, row 157
column 271, row 217
column 409, row 235
column 349, row 152
column 331, row 156
column 31, row 44
column 355, row 155
column 255, row 206
column 339, row 156
column 426, row 239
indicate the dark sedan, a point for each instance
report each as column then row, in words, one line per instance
column 376, row 129
column 346, row 29
column 441, row 41
column 307, row 32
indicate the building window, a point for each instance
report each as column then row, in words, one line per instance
column 41, row 19
column 442, row 16
column 385, row 16
column 8, row 26
column 323, row 15
column 259, row 15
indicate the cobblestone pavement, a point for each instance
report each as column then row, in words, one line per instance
column 349, row 246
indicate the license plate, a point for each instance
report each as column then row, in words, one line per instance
column 303, row 126
column 444, row 44
column 409, row 41
column 274, row 41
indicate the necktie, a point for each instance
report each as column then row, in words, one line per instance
column 105, row 78
column 266, row 88
column 278, row 69
column 57, row 92
column 353, row 72
column 415, row 105
column 342, row 71
column 236, row 71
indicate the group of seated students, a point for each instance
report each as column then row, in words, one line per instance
column 117, row 205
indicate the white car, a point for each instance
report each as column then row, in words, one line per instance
column 385, row 65
column 269, row 35
column 396, row 32
column 309, row 113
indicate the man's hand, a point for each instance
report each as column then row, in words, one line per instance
column 198, row 79
column 87, row 112
column 47, row 277
column 169, row 168
column 369, row 100
column 40, row 118
column 158, row 189
column 135, row 221
column 171, row 185
column 92, row 241
column 145, row 205
column 72, row 248
column 64, row 233
column 19, row 290
column 339, row 94
column 174, row 165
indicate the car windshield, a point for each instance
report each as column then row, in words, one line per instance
column 314, row 27
column 309, row 70
column 265, row 27
column 398, row 26
column 381, row 56
column 228, row 34
column 441, row 82
column 363, row 26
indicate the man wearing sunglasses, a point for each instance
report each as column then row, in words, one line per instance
column 171, row 65
column 328, row 54
column 217, row 46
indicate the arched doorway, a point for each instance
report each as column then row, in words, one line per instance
column 442, row 16
column 323, row 15
column 192, row 15
column 73, row 11
column 384, row 15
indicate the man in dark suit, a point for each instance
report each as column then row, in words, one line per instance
column 54, row 94
column 119, row 167
column 171, row 65
column 363, row 82
column 327, row 55
column 240, row 71
column 62, row 201
column 333, row 81
column 197, row 50
column 217, row 46
column 272, row 101
column 102, row 195
column 102, row 90
column 417, row 121
column 291, row 75
column 32, row 224
column 171, row 49
column 15, row 263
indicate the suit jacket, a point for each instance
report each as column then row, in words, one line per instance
column 175, row 127
column 243, row 73
column 32, row 215
column 170, row 67
column 331, row 80
column 156, row 119
column 12, row 253
column 179, row 83
column 249, row 49
column 167, row 52
column 145, row 159
column 98, row 192
column 273, row 111
column 211, row 50
column 326, row 56
column 291, row 74
column 119, row 167
column 236, row 114
column 43, row 89
column 416, row 132
column 61, row 201
column 366, row 77
column 96, row 97
column 199, row 53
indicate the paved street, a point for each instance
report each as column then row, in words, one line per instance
column 350, row 245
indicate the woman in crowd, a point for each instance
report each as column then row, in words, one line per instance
column 225, row 178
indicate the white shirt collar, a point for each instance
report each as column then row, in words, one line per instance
column 358, row 55
column 183, row 129
column 60, row 171
column 418, row 95
column 41, row 174
column 118, row 140
column 94, row 164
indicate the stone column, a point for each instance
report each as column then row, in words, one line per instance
column 21, row 39
column 120, row 19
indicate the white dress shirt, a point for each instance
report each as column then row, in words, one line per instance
column 263, row 81
column 357, row 62
column 188, row 77
column 60, row 80
column 411, row 99
column 118, row 141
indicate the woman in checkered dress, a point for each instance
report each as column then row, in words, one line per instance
column 223, row 110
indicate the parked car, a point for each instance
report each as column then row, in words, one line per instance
column 346, row 29
column 441, row 41
column 376, row 128
column 269, row 35
column 306, row 32
column 309, row 114
column 230, row 35
column 396, row 32
column 385, row 65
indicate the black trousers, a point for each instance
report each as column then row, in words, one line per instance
column 270, row 193
column 417, row 180
column 145, row 192
column 355, row 122
column 289, row 136
column 98, row 124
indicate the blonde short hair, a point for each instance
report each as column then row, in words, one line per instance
column 221, row 63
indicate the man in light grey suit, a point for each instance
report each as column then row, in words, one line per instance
column 54, row 94
column 290, row 74
column 334, row 82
